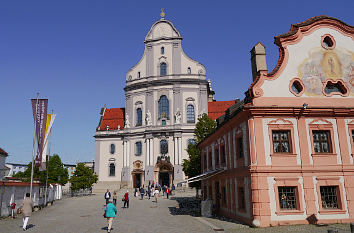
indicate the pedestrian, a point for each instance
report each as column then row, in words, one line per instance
column 126, row 199
column 173, row 189
column 163, row 190
column 135, row 192
column 115, row 198
column 27, row 207
column 149, row 191
column 153, row 183
column 156, row 194
column 13, row 206
column 111, row 212
column 168, row 191
column 107, row 196
column 142, row 192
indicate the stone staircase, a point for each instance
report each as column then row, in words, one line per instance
column 101, row 187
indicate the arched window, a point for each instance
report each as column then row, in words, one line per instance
column 139, row 117
column 189, row 71
column 112, row 169
column 112, row 149
column 162, row 50
column 163, row 147
column 190, row 114
column 164, row 108
column 163, row 69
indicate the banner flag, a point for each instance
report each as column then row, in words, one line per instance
column 39, row 107
column 48, row 127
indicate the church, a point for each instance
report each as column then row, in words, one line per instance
column 165, row 92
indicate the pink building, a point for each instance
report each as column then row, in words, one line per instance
column 284, row 155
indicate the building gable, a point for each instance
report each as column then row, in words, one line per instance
column 316, row 61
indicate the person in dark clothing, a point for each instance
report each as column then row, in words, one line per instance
column 163, row 190
column 142, row 192
column 107, row 196
column 149, row 191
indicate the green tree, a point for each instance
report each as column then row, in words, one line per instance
column 192, row 166
column 83, row 178
column 26, row 175
column 56, row 172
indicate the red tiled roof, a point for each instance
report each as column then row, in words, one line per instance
column 113, row 117
column 2, row 152
column 218, row 108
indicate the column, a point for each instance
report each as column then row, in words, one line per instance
column 147, row 149
column 124, row 153
column 128, row 153
column 179, row 150
column 175, row 151
column 151, row 143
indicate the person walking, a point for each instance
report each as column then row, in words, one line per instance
column 163, row 190
column 168, row 191
column 142, row 192
column 13, row 206
column 149, row 191
column 115, row 198
column 126, row 199
column 107, row 196
column 27, row 207
column 111, row 212
column 173, row 189
column 156, row 194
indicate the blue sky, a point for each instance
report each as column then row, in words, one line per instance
column 76, row 54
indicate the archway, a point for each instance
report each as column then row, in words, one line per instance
column 163, row 173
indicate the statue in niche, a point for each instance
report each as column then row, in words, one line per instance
column 148, row 118
column 127, row 123
column 178, row 116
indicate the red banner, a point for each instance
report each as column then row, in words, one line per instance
column 39, row 107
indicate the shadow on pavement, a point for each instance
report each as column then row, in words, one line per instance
column 186, row 206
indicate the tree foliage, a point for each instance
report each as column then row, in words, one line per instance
column 205, row 126
column 192, row 165
column 56, row 172
column 83, row 178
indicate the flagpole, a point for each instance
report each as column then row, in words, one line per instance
column 47, row 165
column 34, row 144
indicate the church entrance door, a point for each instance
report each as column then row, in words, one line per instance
column 164, row 178
column 137, row 180
column 163, row 173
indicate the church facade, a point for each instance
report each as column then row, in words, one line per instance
column 165, row 92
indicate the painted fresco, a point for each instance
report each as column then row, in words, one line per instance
column 322, row 65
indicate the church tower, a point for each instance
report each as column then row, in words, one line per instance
column 164, row 92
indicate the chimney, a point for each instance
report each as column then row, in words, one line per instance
column 258, row 59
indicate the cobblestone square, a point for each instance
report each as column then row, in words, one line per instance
column 84, row 215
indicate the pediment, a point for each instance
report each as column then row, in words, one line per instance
column 280, row 121
column 320, row 122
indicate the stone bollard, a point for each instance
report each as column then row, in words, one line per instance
column 352, row 227
column 332, row 231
